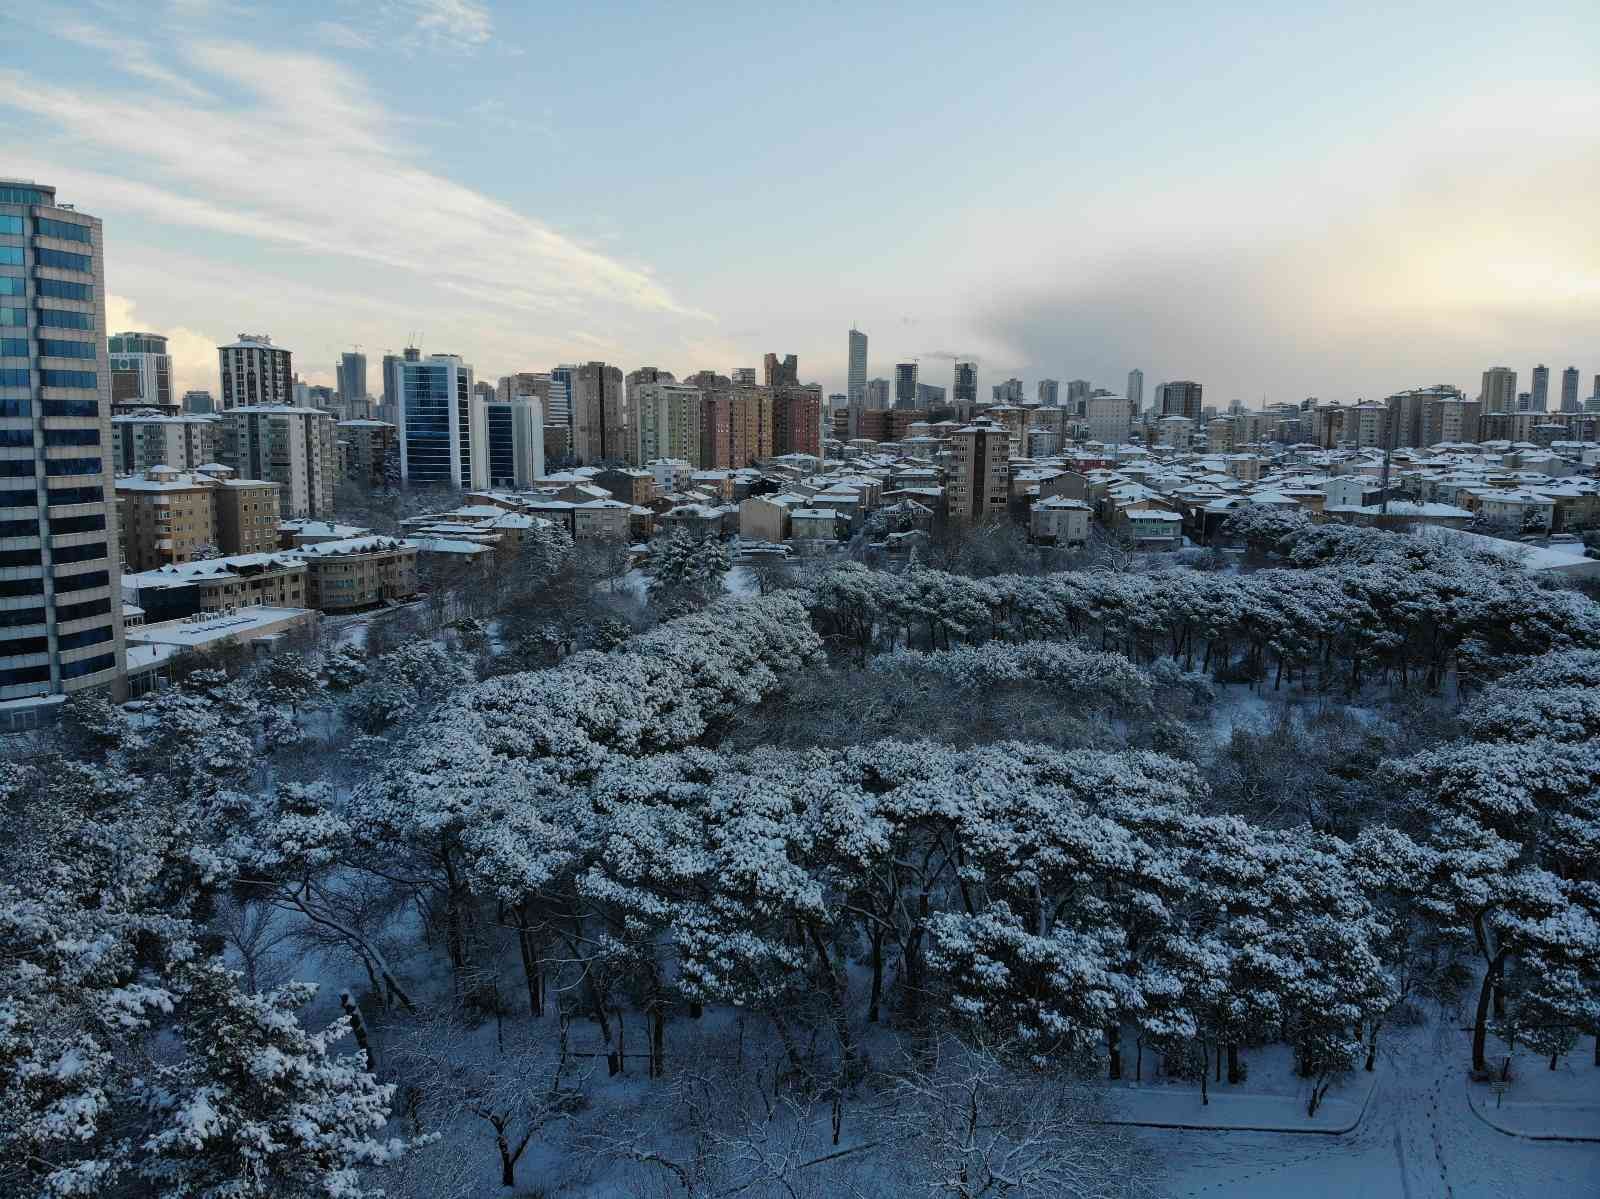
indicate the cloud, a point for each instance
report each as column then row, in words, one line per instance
column 349, row 190
column 333, row 33
column 194, row 355
column 463, row 24
column 131, row 55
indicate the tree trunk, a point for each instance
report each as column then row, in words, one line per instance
column 358, row 1029
column 1114, row 1049
column 658, row 1042
column 530, row 969
column 1219, row 1061
column 877, row 975
column 1233, row 1065
column 1480, row 1024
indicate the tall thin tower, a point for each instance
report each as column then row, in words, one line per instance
column 856, row 386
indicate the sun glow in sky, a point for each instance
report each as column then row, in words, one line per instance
column 1278, row 201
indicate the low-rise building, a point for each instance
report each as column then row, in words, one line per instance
column 359, row 572
column 601, row 520
column 214, row 584
column 1060, row 521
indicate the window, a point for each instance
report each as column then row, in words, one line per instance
column 20, row 528
column 76, row 670
column 60, row 289
column 16, row 646
column 82, row 638
column 72, row 407
column 16, row 468
column 85, row 379
column 25, row 195
column 12, row 285
column 72, row 437
column 14, row 347
column 65, row 230
column 59, row 318
column 67, row 612
column 73, row 466
column 13, row 376
column 19, row 499
column 62, row 525
column 59, row 348
column 92, row 552
column 14, row 318
column 10, row 255
column 11, row 226
column 10, row 588
column 16, row 407
column 20, row 618
column 76, row 495
column 16, row 439
column 83, row 582
column 63, row 260
column 20, row 557
column 24, row 674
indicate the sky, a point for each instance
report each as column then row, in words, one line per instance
column 1277, row 201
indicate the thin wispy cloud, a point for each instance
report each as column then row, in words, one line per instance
column 345, row 37
column 461, row 23
column 129, row 54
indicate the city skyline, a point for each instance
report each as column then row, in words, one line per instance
column 1278, row 270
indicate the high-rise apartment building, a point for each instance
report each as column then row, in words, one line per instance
column 980, row 482
column 964, row 388
column 1078, row 391
column 600, row 430
column 141, row 373
column 440, row 427
column 1569, row 390
column 1136, row 389
column 905, row 385
column 1499, row 393
column 780, row 373
column 60, row 592
column 1050, row 393
column 254, row 371
column 351, row 378
column 199, row 403
column 1541, row 388
column 388, row 410
column 513, row 432
column 929, row 396
column 147, row 439
column 877, row 394
column 1181, row 398
column 1109, row 418
column 670, row 422
column 1009, row 392
column 856, row 383
column 293, row 447
column 367, row 446
column 797, row 419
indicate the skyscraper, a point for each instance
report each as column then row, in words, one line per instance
column 254, row 371
column 513, row 431
column 1541, row 388
column 351, row 379
column 1181, row 398
column 1499, row 393
column 600, row 431
column 779, row 373
column 877, row 394
column 669, row 419
column 440, row 428
column 965, row 389
column 1050, row 393
column 1569, row 390
column 60, row 602
column 1078, row 396
column 905, row 385
column 856, row 387
column 141, row 373
column 1136, row 388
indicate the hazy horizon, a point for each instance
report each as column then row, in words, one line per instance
column 1274, row 204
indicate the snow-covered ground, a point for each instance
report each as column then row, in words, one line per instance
column 1418, row 1140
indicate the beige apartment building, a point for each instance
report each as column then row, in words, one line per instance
column 979, row 485
column 167, row 518
column 246, row 515
column 294, row 447
column 668, row 419
column 360, row 572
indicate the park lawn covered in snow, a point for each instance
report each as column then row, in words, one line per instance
column 1540, row 1102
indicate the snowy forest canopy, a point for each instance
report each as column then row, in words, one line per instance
column 863, row 850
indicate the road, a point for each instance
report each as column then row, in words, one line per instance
column 1419, row 1140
